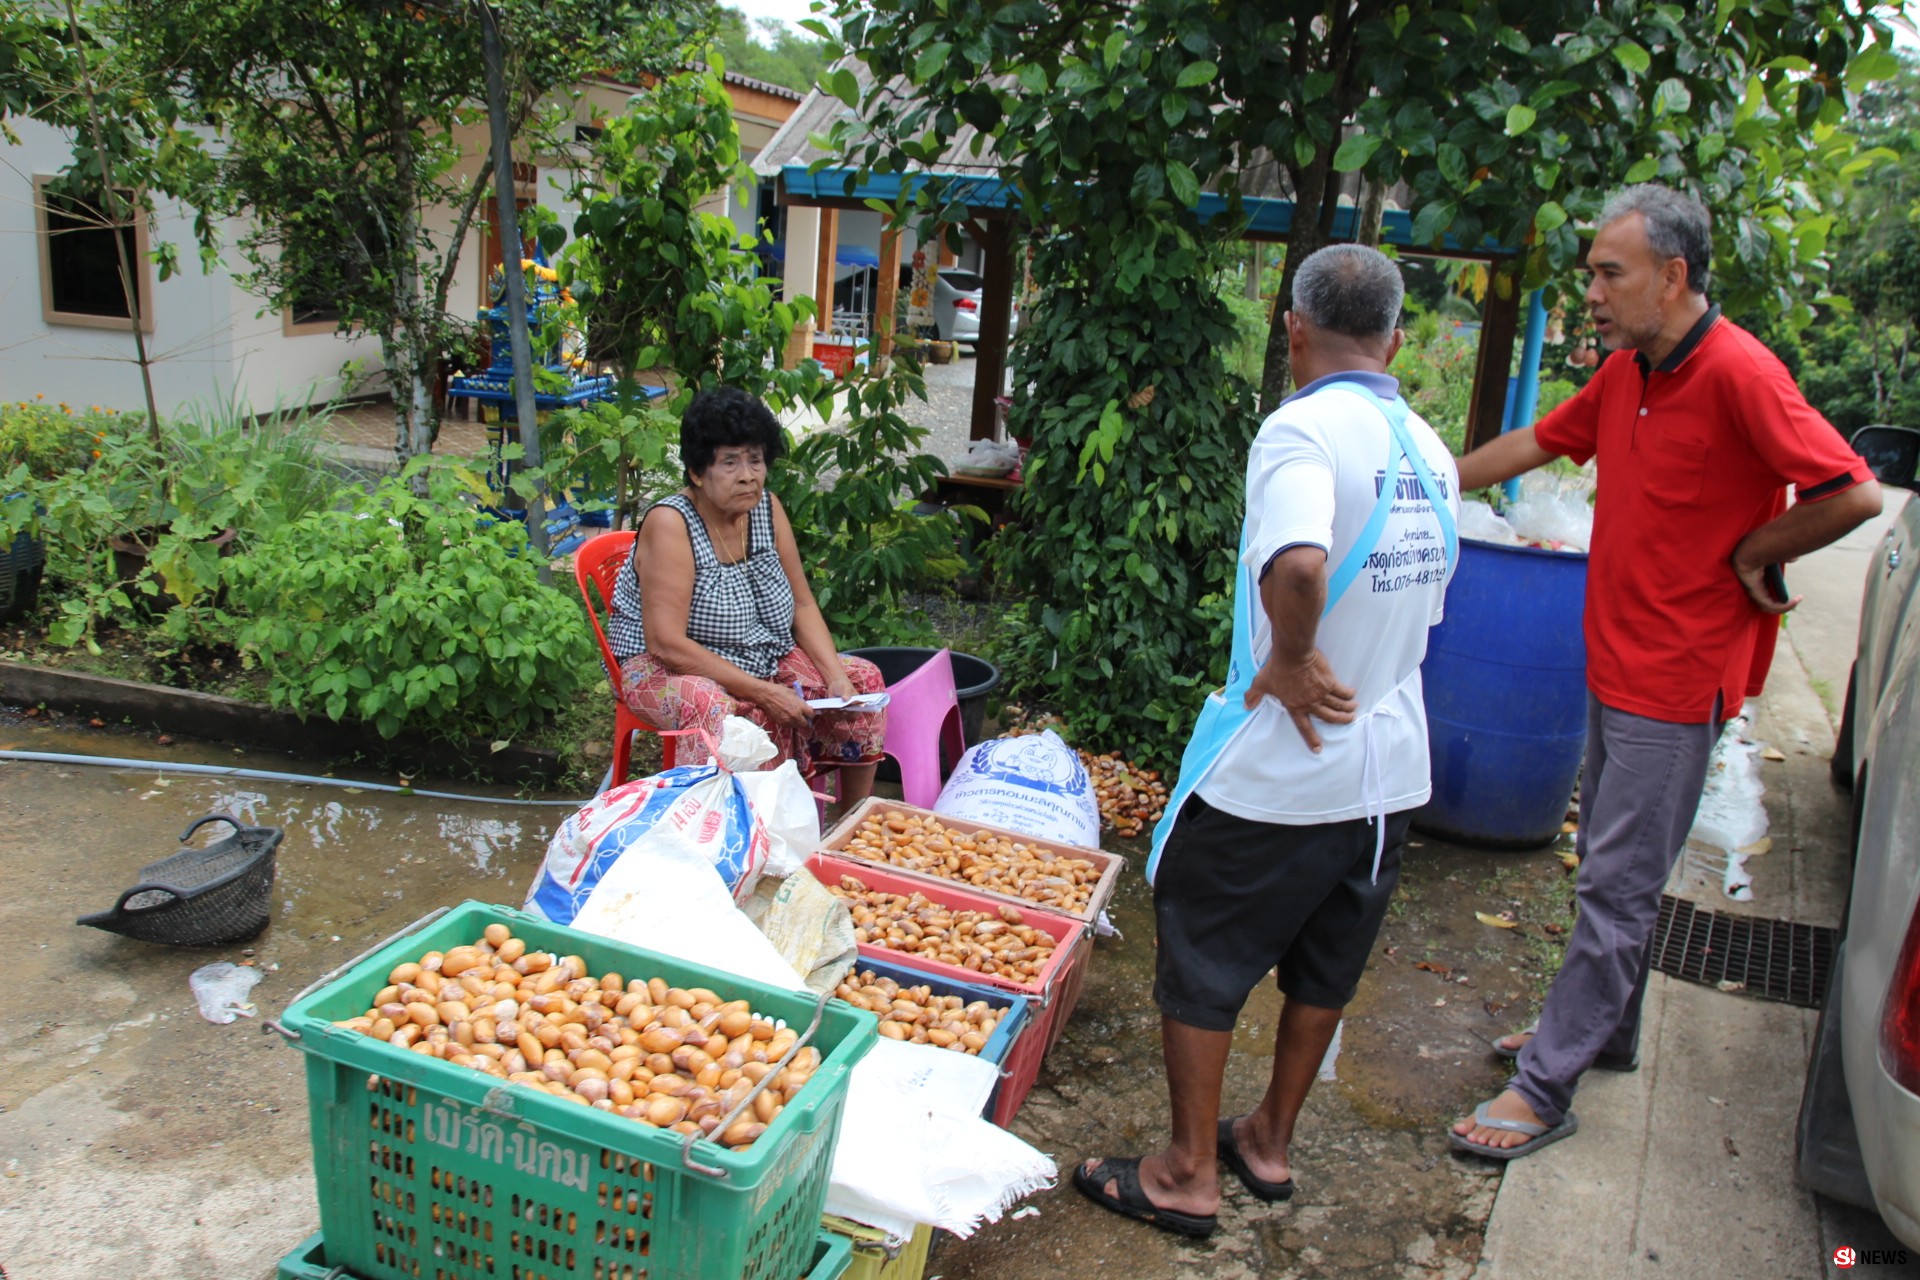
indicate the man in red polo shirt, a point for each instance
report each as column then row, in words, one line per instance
column 1699, row 430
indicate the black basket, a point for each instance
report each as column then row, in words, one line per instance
column 200, row 897
column 22, row 563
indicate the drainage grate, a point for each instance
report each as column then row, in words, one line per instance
column 1768, row 959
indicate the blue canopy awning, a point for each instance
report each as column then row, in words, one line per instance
column 1267, row 218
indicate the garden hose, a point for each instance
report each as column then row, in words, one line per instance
column 264, row 775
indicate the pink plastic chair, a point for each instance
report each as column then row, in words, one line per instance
column 923, row 715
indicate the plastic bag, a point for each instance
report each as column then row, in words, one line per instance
column 1483, row 524
column 1731, row 816
column 1033, row 784
column 781, row 798
column 701, row 808
column 1550, row 513
column 221, row 991
column 989, row 457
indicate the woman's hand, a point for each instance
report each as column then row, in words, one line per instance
column 785, row 707
column 841, row 687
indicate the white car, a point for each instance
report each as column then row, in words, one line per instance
column 956, row 307
column 1859, row 1128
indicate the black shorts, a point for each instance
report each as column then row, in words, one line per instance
column 1234, row 899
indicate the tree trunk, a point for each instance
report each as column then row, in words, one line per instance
column 415, row 346
column 1309, row 233
column 514, row 282
column 1373, row 211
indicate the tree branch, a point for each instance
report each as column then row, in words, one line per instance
column 474, row 199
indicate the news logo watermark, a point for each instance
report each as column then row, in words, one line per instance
column 1846, row 1256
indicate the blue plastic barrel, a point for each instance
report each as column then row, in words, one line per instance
column 1506, row 691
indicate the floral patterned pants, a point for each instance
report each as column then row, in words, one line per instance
column 668, row 701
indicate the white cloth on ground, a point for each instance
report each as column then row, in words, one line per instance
column 914, row 1149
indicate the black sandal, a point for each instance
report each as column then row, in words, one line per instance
column 1132, row 1202
column 1271, row 1192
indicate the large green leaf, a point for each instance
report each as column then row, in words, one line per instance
column 1355, row 151
column 1195, row 74
column 1632, row 56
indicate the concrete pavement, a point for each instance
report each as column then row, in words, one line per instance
column 1687, row 1167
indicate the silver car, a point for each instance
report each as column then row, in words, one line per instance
column 956, row 306
column 1859, row 1128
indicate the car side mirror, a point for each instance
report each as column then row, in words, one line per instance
column 1891, row 453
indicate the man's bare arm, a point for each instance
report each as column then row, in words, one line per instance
column 1293, row 590
column 1803, row 527
column 1502, row 459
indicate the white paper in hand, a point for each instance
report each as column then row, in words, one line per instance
column 858, row 702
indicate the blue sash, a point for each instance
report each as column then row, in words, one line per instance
column 1225, row 712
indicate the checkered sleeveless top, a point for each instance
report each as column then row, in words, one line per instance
column 742, row 611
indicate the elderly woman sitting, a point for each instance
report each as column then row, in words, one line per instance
column 712, row 616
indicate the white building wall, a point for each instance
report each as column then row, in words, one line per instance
column 206, row 338
column 211, row 338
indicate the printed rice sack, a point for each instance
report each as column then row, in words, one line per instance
column 1033, row 784
column 701, row 808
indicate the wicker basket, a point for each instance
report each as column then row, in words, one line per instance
column 200, row 897
column 22, row 562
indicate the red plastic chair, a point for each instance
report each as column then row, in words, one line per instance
column 598, row 562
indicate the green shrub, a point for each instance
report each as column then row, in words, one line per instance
column 1133, row 497
column 612, row 455
column 217, row 467
column 49, row 440
column 411, row 612
column 1248, row 356
column 1436, row 377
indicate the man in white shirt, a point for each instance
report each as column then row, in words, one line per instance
column 1281, row 847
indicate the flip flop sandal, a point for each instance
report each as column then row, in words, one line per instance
column 1132, row 1202
column 1271, row 1192
column 1538, row 1135
column 1605, row 1062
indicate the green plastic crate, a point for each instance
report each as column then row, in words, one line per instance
column 428, row 1171
column 832, row 1259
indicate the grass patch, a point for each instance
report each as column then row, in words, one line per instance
column 1547, row 948
column 1824, row 690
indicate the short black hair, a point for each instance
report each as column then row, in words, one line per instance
column 722, row 418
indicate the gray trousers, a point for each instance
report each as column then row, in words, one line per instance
column 1638, row 793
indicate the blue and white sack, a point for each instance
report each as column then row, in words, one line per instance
column 1033, row 784
column 699, row 808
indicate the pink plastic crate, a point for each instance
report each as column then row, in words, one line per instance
column 1052, row 998
column 835, row 842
